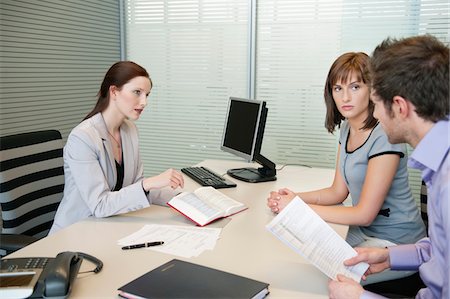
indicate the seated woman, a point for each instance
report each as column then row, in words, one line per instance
column 103, row 171
column 369, row 168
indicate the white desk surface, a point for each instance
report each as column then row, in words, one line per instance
column 245, row 247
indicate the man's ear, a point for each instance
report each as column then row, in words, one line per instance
column 400, row 106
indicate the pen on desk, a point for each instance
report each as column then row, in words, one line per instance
column 150, row 244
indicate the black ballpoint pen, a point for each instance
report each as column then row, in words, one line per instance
column 150, row 244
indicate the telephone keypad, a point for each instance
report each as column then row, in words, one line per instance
column 11, row 268
column 23, row 264
column 37, row 262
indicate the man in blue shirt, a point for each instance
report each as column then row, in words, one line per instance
column 410, row 91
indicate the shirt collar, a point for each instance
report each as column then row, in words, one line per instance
column 431, row 151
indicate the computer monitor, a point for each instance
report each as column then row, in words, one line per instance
column 242, row 136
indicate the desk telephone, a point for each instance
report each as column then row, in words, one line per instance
column 42, row 277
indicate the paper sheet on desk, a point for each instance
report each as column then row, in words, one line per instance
column 184, row 241
column 299, row 227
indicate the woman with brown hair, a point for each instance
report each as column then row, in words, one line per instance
column 103, row 171
column 368, row 168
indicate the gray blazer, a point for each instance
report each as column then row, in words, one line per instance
column 90, row 175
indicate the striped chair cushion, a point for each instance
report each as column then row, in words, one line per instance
column 31, row 181
column 423, row 203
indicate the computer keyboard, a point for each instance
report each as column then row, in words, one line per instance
column 207, row 177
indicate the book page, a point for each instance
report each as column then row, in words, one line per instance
column 219, row 200
column 299, row 227
column 205, row 205
column 195, row 208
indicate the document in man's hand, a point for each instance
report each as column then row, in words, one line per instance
column 299, row 227
column 205, row 205
column 180, row 279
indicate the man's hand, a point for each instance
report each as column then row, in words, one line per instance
column 377, row 258
column 344, row 288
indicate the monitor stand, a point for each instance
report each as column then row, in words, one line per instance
column 265, row 173
column 251, row 175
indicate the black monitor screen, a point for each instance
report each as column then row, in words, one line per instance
column 241, row 127
column 242, row 136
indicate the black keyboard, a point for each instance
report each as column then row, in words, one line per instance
column 207, row 177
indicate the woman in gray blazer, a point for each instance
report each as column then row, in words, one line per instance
column 102, row 167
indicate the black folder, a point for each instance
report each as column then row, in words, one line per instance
column 180, row 279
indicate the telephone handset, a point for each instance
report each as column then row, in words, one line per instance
column 42, row 277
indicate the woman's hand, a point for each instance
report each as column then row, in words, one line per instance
column 169, row 178
column 278, row 200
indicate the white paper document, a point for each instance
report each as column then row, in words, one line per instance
column 299, row 227
column 184, row 241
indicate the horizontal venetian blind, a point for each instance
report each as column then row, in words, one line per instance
column 53, row 56
column 297, row 41
column 196, row 54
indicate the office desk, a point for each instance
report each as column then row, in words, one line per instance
column 244, row 248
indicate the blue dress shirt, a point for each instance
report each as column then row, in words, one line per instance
column 430, row 255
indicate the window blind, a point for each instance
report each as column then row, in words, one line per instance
column 196, row 54
column 53, row 57
column 297, row 41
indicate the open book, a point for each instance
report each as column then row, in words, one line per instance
column 299, row 227
column 205, row 205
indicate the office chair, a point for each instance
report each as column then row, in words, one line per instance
column 405, row 286
column 423, row 204
column 31, row 186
